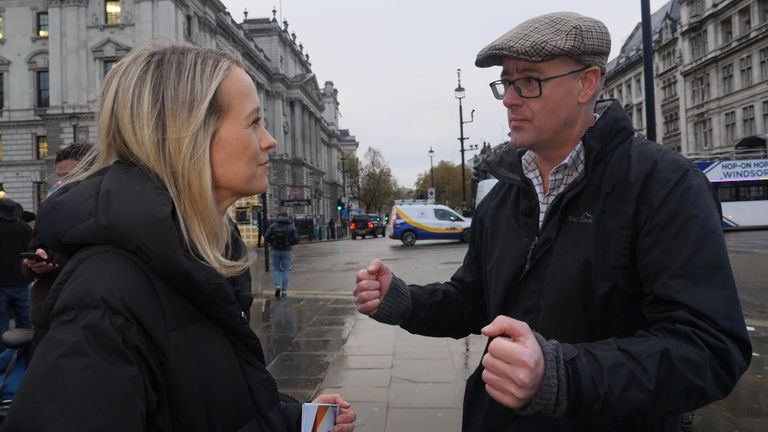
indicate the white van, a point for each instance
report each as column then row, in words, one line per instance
column 418, row 220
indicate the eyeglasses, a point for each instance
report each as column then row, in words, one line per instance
column 525, row 87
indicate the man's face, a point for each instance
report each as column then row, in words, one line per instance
column 65, row 167
column 545, row 122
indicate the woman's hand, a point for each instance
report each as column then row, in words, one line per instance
column 345, row 421
column 40, row 267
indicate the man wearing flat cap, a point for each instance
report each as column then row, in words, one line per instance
column 596, row 265
column 15, row 235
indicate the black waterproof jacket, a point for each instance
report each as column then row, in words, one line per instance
column 629, row 272
column 142, row 336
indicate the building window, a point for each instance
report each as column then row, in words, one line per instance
column 671, row 123
column 42, row 146
column 2, row 26
column 727, row 79
column 748, row 120
column 619, row 93
column 2, row 90
column 669, row 88
column 1, row 150
column 638, row 85
column 108, row 65
column 42, row 88
column 700, row 89
column 699, row 45
column 745, row 20
column 764, row 64
column 697, row 8
column 763, row 11
column 765, row 116
column 188, row 27
column 639, row 116
column 702, row 133
column 745, row 63
column 42, row 24
column 668, row 59
column 726, row 30
column 628, row 86
column 112, row 12
column 730, row 127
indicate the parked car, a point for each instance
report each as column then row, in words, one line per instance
column 378, row 225
column 424, row 221
column 361, row 225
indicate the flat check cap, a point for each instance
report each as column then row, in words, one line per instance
column 561, row 34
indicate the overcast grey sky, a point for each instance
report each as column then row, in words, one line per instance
column 394, row 63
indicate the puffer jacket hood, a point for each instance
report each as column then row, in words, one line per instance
column 612, row 126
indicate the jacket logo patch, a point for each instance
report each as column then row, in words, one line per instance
column 585, row 218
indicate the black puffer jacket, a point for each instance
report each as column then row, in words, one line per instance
column 629, row 272
column 142, row 336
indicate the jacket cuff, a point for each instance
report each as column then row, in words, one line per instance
column 396, row 304
column 552, row 397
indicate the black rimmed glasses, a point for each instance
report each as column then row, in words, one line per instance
column 525, row 87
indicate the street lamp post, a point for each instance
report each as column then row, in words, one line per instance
column 74, row 121
column 460, row 95
column 431, row 169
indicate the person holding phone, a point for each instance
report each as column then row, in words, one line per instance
column 14, row 285
column 143, row 328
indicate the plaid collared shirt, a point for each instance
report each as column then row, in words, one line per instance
column 559, row 178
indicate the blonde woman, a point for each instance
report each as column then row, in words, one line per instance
column 144, row 331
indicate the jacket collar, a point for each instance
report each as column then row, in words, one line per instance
column 613, row 126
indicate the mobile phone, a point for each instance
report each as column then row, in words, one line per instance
column 33, row 256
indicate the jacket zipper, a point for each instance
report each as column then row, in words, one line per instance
column 530, row 254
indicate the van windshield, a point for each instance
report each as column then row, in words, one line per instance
column 447, row 215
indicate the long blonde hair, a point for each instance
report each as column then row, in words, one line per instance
column 160, row 109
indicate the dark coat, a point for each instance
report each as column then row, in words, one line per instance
column 629, row 272
column 142, row 335
column 284, row 223
column 14, row 238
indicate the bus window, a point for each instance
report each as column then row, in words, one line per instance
column 726, row 193
column 753, row 193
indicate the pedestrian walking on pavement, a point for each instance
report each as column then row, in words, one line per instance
column 596, row 266
column 144, row 327
column 281, row 236
column 332, row 229
column 15, row 235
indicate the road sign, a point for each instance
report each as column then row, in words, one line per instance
column 431, row 194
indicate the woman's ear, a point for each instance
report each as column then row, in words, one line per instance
column 590, row 84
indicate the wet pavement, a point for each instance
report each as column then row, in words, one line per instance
column 315, row 341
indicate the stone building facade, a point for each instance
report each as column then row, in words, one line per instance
column 711, row 74
column 54, row 55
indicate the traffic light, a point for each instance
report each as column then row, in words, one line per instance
column 339, row 205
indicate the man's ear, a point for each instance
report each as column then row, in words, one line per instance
column 590, row 84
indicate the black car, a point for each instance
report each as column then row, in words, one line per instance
column 378, row 225
column 362, row 225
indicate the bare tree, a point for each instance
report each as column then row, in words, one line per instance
column 377, row 185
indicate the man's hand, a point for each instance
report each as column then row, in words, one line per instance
column 514, row 363
column 40, row 267
column 345, row 421
column 372, row 285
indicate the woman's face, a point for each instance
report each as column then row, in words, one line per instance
column 239, row 159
